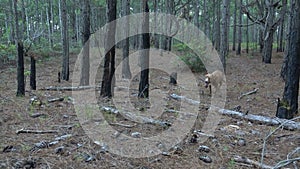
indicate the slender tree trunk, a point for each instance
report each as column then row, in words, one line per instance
column 11, row 23
column 32, row 73
column 65, row 41
column 234, row 26
column 268, row 32
column 156, row 36
column 280, row 46
column 196, row 16
column 238, row 51
column 144, row 80
column 247, row 32
column 217, row 25
column 224, row 33
column 109, row 59
column 23, row 18
column 20, row 52
column 125, row 63
column 85, row 62
column 206, row 18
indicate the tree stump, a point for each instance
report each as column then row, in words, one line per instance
column 173, row 78
column 283, row 110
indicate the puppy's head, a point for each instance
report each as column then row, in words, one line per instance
column 207, row 80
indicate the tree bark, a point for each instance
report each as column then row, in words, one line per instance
column 32, row 73
column 125, row 63
column 217, row 25
column 20, row 52
column 234, row 26
column 109, row 59
column 247, row 32
column 85, row 62
column 65, row 41
column 291, row 89
column 144, row 80
column 238, row 51
column 224, row 33
column 156, row 23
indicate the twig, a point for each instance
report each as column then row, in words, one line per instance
column 286, row 162
column 248, row 93
column 271, row 133
column 35, row 131
column 252, row 162
column 123, row 125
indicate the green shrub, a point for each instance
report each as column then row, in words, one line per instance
column 7, row 53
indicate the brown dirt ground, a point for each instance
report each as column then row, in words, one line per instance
column 244, row 73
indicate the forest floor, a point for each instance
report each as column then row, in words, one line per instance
column 232, row 137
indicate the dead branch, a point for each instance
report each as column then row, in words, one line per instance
column 245, row 160
column 123, row 125
column 286, row 162
column 55, row 99
column 35, row 131
column 35, row 115
column 132, row 117
column 271, row 133
column 286, row 124
column 273, row 121
column 248, row 93
column 69, row 88
column 183, row 98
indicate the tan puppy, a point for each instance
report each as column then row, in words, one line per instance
column 214, row 79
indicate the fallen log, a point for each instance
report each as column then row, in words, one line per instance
column 274, row 121
column 136, row 118
column 35, row 131
column 56, row 99
column 69, row 88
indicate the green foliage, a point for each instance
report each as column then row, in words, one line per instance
column 27, row 73
column 231, row 164
column 180, row 47
column 7, row 53
column 189, row 57
column 193, row 62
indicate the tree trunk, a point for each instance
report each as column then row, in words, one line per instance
column 156, row 36
column 32, row 73
column 206, row 18
column 85, row 62
column 65, row 41
column 224, row 33
column 20, row 52
column 125, row 63
column 247, row 32
column 109, row 59
column 11, row 21
column 217, row 25
column 268, row 32
column 48, row 14
column 280, row 47
column 144, row 80
column 234, row 26
column 196, row 16
column 291, row 89
column 238, row 51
